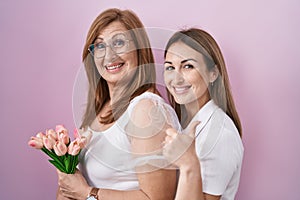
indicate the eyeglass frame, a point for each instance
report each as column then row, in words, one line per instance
column 92, row 47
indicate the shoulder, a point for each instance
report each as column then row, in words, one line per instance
column 149, row 103
column 222, row 139
column 147, row 98
column 220, row 152
column 144, row 103
column 230, row 138
column 151, row 110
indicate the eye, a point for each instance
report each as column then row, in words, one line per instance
column 100, row 46
column 118, row 43
column 188, row 66
column 169, row 68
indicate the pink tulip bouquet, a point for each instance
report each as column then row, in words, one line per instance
column 58, row 146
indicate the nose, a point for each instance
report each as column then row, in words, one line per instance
column 109, row 54
column 178, row 78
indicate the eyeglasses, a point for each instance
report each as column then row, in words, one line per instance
column 119, row 44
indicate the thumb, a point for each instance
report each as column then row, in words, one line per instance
column 171, row 132
column 191, row 129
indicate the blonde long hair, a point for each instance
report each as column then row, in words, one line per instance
column 143, row 79
column 220, row 91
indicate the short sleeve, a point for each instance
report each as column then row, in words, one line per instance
column 220, row 167
column 149, row 116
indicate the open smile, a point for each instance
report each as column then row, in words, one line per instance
column 181, row 89
column 114, row 67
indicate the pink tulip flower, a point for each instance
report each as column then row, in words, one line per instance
column 48, row 142
column 74, row 148
column 85, row 137
column 60, row 148
column 36, row 142
column 56, row 143
column 82, row 141
column 82, row 137
column 40, row 135
column 61, row 129
column 63, row 138
column 76, row 133
column 52, row 134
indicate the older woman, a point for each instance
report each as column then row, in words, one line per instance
column 125, row 113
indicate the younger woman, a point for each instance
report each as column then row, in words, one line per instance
column 199, row 90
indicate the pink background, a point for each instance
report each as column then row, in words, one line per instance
column 41, row 45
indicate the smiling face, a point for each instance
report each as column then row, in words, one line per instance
column 115, row 65
column 186, row 75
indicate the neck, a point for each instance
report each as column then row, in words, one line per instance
column 192, row 108
column 115, row 92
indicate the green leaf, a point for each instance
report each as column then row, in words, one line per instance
column 67, row 162
column 49, row 153
column 71, row 159
column 74, row 164
column 56, row 160
column 57, row 165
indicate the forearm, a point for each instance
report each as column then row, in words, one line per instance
column 158, row 185
column 190, row 184
column 107, row 194
column 59, row 195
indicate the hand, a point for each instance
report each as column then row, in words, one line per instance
column 179, row 149
column 73, row 186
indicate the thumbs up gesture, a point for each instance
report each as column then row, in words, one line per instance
column 179, row 149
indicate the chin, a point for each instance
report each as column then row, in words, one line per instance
column 181, row 101
column 184, row 100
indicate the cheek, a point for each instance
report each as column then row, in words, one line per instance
column 99, row 65
column 167, row 78
column 192, row 78
column 200, row 77
column 200, row 86
column 198, row 81
column 130, row 58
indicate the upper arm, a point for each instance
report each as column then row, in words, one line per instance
column 220, row 168
column 146, row 130
column 146, row 127
column 211, row 197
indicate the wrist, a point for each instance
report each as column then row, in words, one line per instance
column 190, row 167
column 191, row 170
column 93, row 194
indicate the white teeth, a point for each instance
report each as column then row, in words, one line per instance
column 113, row 67
column 181, row 89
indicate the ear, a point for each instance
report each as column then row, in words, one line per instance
column 213, row 74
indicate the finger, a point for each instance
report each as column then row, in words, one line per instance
column 171, row 132
column 58, row 172
column 77, row 171
column 168, row 139
column 191, row 129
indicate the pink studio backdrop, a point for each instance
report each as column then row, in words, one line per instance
column 41, row 45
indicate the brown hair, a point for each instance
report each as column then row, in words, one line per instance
column 143, row 79
column 220, row 92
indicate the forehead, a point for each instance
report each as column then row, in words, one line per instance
column 180, row 50
column 112, row 29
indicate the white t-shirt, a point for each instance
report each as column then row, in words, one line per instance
column 107, row 161
column 220, row 151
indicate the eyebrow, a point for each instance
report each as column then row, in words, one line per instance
column 117, row 33
column 185, row 60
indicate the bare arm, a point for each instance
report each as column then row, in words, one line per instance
column 190, row 185
column 152, row 187
column 155, row 184
column 180, row 150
